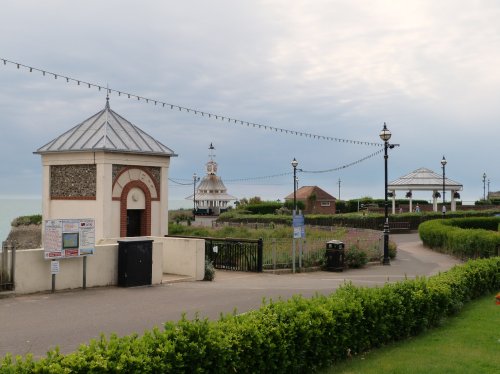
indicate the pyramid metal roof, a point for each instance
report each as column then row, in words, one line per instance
column 106, row 131
column 423, row 179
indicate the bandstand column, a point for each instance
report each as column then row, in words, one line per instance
column 434, row 201
column 393, row 201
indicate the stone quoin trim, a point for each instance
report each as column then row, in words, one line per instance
column 146, row 213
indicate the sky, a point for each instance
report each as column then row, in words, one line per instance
column 339, row 69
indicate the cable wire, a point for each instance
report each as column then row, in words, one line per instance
column 210, row 115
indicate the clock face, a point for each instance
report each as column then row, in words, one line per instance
column 211, row 167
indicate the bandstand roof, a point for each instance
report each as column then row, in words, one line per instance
column 424, row 180
column 109, row 132
column 211, row 188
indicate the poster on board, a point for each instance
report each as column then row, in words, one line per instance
column 66, row 238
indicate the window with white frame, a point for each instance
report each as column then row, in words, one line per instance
column 325, row 203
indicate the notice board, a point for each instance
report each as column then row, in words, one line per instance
column 68, row 238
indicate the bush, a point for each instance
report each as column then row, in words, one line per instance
column 35, row 219
column 374, row 221
column 267, row 207
column 300, row 205
column 355, row 258
column 393, row 250
column 464, row 238
column 209, row 271
column 297, row 335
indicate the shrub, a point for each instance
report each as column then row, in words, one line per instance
column 300, row 205
column 267, row 207
column 35, row 219
column 462, row 237
column 393, row 250
column 296, row 335
column 209, row 271
column 355, row 258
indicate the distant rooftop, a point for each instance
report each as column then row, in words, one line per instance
column 106, row 131
column 305, row 191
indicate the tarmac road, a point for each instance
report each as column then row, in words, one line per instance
column 36, row 323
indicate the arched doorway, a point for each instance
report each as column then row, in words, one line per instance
column 135, row 210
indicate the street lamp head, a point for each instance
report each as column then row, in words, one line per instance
column 385, row 134
column 294, row 163
column 443, row 161
column 484, row 176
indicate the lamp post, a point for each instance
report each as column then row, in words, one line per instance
column 484, row 186
column 195, row 179
column 294, row 165
column 488, row 189
column 443, row 164
column 339, row 187
column 385, row 135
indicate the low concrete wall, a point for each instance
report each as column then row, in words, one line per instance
column 184, row 256
column 175, row 256
column 33, row 271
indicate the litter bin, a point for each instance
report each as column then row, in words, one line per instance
column 334, row 255
column 135, row 262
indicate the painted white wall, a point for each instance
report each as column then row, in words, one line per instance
column 33, row 271
column 184, row 256
column 170, row 255
column 156, row 214
column 103, row 208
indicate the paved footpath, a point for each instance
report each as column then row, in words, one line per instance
column 36, row 323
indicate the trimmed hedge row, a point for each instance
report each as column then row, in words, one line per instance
column 297, row 335
column 358, row 220
column 464, row 238
column 267, row 207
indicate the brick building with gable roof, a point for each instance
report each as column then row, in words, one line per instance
column 315, row 199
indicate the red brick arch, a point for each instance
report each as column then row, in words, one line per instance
column 146, row 214
column 132, row 167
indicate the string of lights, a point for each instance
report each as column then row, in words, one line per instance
column 345, row 166
column 210, row 115
column 180, row 183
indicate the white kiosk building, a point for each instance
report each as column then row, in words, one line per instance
column 109, row 170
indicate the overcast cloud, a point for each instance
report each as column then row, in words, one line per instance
column 334, row 68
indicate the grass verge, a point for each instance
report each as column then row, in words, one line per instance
column 466, row 343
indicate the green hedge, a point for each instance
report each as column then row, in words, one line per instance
column 267, row 207
column 298, row 335
column 373, row 221
column 465, row 237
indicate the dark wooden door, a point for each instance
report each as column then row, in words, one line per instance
column 134, row 222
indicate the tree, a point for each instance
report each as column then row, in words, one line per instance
column 255, row 200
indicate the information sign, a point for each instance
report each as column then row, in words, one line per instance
column 298, row 226
column 69, row 238
column 54, row 267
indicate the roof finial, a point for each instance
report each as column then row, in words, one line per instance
column 107, row 96
column 212, row 148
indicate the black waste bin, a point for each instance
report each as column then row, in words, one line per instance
column 135, row 262
column 334, row 255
